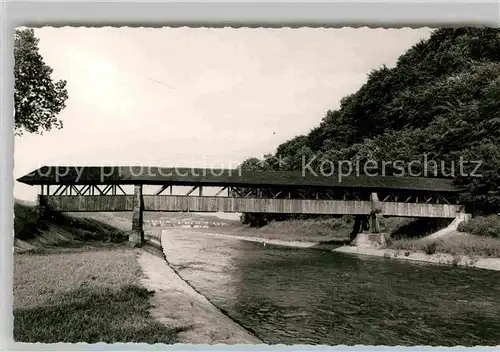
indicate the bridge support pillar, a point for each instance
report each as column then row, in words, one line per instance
column 369, row 223
column 136, row 236
column 356, row 228
column 41, row 207
column 361, row 223
column 374, row 223
column 376, row 213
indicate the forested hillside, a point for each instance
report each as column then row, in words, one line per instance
column 441, row 101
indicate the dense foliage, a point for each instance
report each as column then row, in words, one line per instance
column 37, row 99
column 488, row 226
column 440, row 102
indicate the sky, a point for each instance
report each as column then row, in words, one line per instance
column 201, row 97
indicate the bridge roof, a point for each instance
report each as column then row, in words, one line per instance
column 123, row 175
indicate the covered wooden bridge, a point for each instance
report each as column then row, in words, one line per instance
column 138, row 189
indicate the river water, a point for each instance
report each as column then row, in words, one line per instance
column 306, row 296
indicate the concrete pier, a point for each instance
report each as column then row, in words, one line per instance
column 371, row 240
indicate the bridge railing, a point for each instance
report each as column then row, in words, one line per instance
column 173, row 203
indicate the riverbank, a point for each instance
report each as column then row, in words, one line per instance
column 77, row 280
column 436, row 258
column 491, row 263
column 84, row 294
column 178, row 305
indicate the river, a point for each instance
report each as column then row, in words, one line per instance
column 306, row 296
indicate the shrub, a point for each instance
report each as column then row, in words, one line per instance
column 26, row 222
column 318, row 226
column 488, row 226
column 430, row 247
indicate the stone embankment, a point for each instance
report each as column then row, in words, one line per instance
column 374, row 245
column 437, row 258
column 176, row 304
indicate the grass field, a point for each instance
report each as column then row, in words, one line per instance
column 456, row 244
column 76, row 280
column 83, row 296
column 477, row 237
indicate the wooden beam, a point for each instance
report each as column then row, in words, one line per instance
column 107, row 189
column 220, row 191
column 58, row 189
column 86, row 189
column 237, row 191
column 160, row 191
column 121, row 189
column 76, row 190
column 192, row 190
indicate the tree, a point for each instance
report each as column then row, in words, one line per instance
column 37, row 98
column 253, row 164
column 441, row 101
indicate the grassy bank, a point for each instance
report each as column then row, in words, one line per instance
column 60, row 231
column 308, row 228
column 76, row 281
column 457, row 244
column 325, row 229
column 85, row 296
column 477, row 237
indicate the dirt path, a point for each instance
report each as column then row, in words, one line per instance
column 177, row 304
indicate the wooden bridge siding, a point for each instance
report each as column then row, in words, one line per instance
column 239, row 205
column 254, row 205
column 90, row 203
column 417, row 210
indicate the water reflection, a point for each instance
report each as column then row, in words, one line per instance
column 289, row 296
